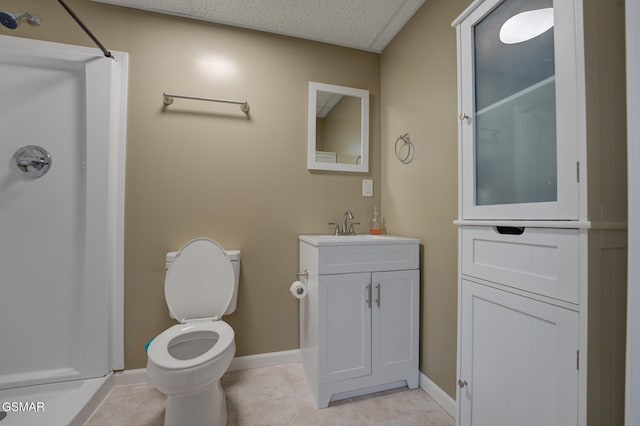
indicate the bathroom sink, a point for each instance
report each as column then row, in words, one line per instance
column 364, row 239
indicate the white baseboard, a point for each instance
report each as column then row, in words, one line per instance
column 139, row 376
column 269, row 359
column 130, row 377
column 436, row 393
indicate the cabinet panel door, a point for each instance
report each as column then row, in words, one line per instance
column 395, row 320
column 519, row 121
column 519, row 359
column 345, row 326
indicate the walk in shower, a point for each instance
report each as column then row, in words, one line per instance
column 62, row 128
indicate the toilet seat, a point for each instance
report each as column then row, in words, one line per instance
column 158, row 351
column 200, row 281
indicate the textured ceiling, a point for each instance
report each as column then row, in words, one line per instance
column 361, row 24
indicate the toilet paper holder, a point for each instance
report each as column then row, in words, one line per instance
column 303, row 274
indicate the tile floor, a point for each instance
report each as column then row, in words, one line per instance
column 277, row 396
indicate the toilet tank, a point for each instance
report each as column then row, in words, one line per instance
column 234, row 255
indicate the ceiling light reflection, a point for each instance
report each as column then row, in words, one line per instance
column 526, row 25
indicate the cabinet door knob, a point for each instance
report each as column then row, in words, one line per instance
column 463, row 116
column 368, row 292
column 378, row 294
column 462, row 384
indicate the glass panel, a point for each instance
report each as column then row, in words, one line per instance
column 515, row 109
column 338, row 128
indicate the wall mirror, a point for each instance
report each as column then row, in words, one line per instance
column 338, row 127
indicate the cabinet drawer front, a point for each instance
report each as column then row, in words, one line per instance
column 541, row 261
column 373, row 258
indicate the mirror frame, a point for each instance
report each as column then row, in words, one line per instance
column 312, row 164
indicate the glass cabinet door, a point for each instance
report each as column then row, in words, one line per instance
column 513, row 146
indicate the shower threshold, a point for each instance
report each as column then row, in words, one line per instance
column 63, row 403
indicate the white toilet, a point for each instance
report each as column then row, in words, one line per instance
column 186, row 361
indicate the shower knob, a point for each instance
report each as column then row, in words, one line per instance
column 32, row 161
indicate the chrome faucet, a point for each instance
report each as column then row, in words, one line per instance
column 346, row 217
column 346, row 228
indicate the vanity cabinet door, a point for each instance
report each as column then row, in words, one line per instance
column 519, row 127
column 518, row 360
column 395, row 320
column 344, row 326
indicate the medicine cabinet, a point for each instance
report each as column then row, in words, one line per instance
column 338, row 128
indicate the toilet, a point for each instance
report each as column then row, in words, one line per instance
column 186, row 361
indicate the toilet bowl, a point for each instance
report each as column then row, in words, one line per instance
column 186, row 361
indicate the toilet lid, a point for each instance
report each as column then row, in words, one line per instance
column 200, row 281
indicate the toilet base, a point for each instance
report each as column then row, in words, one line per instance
column 207, row 407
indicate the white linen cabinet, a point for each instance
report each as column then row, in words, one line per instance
column 542, row 213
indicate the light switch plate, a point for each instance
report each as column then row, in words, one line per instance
column 367, row 188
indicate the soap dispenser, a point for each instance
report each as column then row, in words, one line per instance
column 376, row 222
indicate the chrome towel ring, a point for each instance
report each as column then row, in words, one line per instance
column 404, row 148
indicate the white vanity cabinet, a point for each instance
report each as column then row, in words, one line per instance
column 359, row 321
column 542, row 214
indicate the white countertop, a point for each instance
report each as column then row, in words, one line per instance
column 364, row 239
